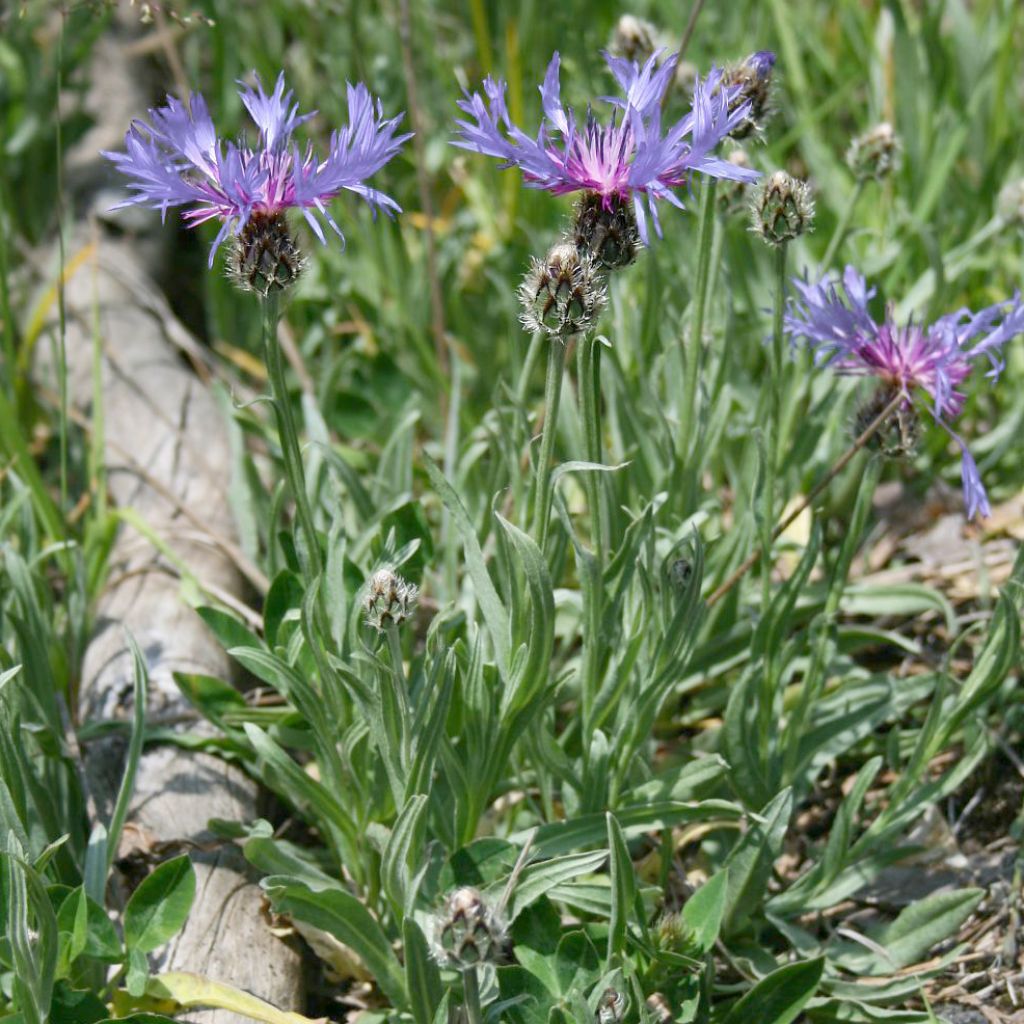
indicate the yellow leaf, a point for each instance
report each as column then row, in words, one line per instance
column 190, row 991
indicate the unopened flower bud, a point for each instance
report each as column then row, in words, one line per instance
column 1010, row 204
column 468, row 931
column 680, row 571
column 900, row 433
column 674, row 935
column 264, row 257
column 875, row 154
column 782, row 208
column 732, row 195
column 562, row 294
column 390, row 600
column 604, row 227
column 611, row 1007
column 633, row 38
column 751, row 82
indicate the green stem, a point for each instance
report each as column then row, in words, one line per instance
column 471, row 990
column 309, row 549
column 401, row 688
column 693, row 359
column 398, row 668
column 532, row 355
column 842, row 226
column 552, row 398
column 775, row 391
column 592, row 573
column 589, row 375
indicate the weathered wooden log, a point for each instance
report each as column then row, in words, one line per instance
column 168, row 459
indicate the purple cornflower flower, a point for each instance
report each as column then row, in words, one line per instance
column 936, row 359
column 627, row 159
column 176, row 159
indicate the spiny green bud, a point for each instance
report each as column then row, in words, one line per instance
column 562, row 294
column 468, row 931
column 604, row 227
column 900, row 433
column 875, row 154
column 264, row 257
column 389, row 600
column 673, row 935
column 781, row 208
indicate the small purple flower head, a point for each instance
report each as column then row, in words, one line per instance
column 624, row 161
column 908, row 358
column 178, row 160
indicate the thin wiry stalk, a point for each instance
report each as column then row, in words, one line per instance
column 842, row 226
column 691, row 24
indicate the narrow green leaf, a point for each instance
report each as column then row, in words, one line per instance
column 750, row 862
column 494, row 612
column 623, row 889
column 778, row 998
column 404, row 843
column 140, row 687
column 348, row 920
column 926, row 923
column 538, row 878
column 590, row 829
column 422, row 977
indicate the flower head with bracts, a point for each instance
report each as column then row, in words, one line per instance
column 176, row 159
column 627, row 164
column 834, row 321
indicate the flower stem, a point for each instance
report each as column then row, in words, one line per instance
column 774, row 455
column 309, row 548
column 552, row 397
column 841, row 227
column 592, row 573
column 589, row 375
column 400, row 688
column 397, row 666
column 471, row 991
column 840, row 464
column 694, row 359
